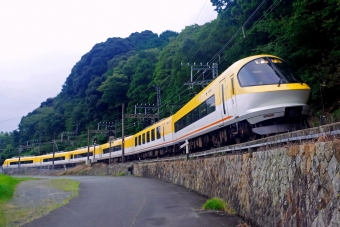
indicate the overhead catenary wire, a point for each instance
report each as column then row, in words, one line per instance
column 270, row 9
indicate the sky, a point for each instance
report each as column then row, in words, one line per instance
column 41, row 40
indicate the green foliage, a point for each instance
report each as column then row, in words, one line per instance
column 218, row 204
column 214, row 204
column 66, row 185
column 7, row 186
column 305, row 33
column 120, row 174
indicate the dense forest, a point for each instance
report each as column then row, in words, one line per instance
column 306, row 33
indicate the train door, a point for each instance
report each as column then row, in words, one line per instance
column 233, row 96
column 224, row 109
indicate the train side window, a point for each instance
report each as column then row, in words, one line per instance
column 211, row 104
column 188, row 119
column 143, row 138
column 203, row 110
column 158, row 132
column 152, row 134
column 232, row 86
column 222, row 89
column 139, row 140
column 195, row 115
column 26, row 162
column 163, row 134
column 148, row 137
column 136, row 141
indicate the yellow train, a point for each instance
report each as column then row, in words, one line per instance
column 255, row 96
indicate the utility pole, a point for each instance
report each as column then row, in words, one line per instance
column 123, row 141
column 88, row 145
column 110, row 132
column 147, row 107
column 39, row 141
column 19, row 164
column 53, row 151
column 94, row 148
column 158, row 90
column 110, row 152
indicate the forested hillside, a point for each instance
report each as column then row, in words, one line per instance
column 304, row 33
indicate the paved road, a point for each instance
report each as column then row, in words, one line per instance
column 133, row 202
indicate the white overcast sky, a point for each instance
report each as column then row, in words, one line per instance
column 41, row 40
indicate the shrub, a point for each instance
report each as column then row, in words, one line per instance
column 214, row 204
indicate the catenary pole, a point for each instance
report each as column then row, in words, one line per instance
column 88, row 145
column 53, row 151
column 123, row 133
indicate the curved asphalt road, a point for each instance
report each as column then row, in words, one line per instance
column 133, row 202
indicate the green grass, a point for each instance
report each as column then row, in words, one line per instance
column 15, row 216
column 66, row 185
column 214, row 204
column 7, row 187
column 218, row 204
column 120, row 174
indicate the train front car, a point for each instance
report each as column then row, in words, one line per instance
column 268, row 96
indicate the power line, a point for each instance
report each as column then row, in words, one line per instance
column 10, row 119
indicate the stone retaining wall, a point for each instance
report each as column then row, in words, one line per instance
column 290, row 186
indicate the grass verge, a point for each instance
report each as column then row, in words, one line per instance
column 120, row 174
column 7, row 187
column 14, row 215
column 218, row 204
column 66, row 185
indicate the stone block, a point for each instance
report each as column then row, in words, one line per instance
column 336, row 147
column 293, row 150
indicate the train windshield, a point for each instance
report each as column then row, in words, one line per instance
column 265, row 71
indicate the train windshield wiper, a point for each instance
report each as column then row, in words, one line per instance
column 279, row 82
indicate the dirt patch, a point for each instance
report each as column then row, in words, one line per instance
column 33, row 199
column 98, row 169
column 78, row 170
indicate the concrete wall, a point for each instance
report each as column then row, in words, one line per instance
column 297, row 185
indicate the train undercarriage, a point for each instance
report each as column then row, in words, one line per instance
column 236, row 133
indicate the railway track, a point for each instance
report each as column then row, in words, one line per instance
column 286, row 138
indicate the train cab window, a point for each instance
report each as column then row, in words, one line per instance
column 148, row 137
column 136, row 142
column 152, row 134
column 158, row 132
column 265, row 71
column 139, row 140
column 211, row 104
column 143, row 138
column 13, row 163
column 203, row 110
